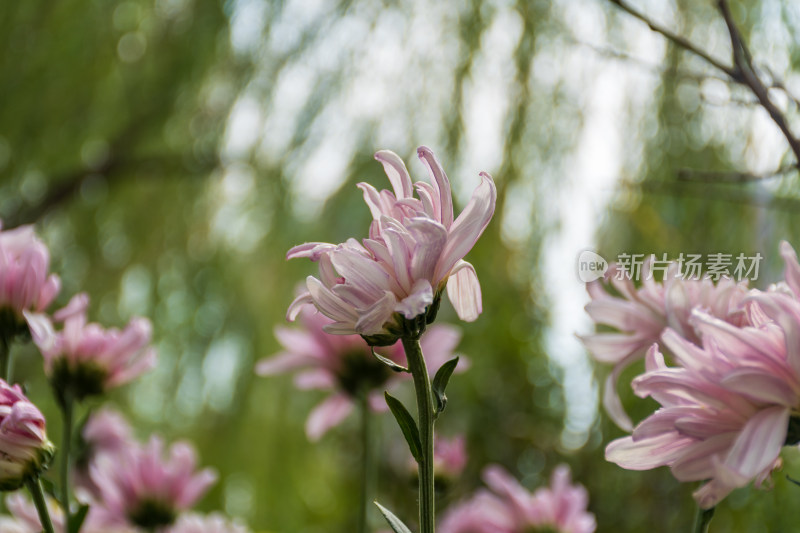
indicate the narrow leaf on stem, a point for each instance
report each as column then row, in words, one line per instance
column 407, row 425
column 440, row 381
column 388, row 362
column 396, row 524
column 76, row 520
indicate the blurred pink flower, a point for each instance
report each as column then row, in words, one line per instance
column 414, row 248
column 344, row 364
column 726, row 406
column 641, row 316
column 449, row 457
column 86, row 359
column 138, row 486
column 25, row 450
column 25, row 518
column 24, row 282
column 212, row 523
column 106, row 432
column 511, row 508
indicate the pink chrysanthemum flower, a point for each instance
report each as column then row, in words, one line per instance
column 84, row 359
column 415, row 248
column 345, row 365
column 641, row 316
column 25, row 450
column 511, row 508
column 24, row 282
column 726, row 407
column 139, row 487
column 212, row 523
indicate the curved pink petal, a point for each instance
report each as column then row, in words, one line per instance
column 441, row 185
column 430, row 238
column 372, row 198
column 326, row 415
column 297, row 305
column 396, row 170
column 759, row 443
column 791, row 271
column 760, row 386
column 464, row 291
column 372, row 319
column 469, row 226
column 281, row 362
column 417, row 301
column 648, row 453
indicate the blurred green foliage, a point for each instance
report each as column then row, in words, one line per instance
column 171, row 151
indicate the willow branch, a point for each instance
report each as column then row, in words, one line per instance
column 674, row 37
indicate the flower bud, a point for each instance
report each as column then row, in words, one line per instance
column 25, row 451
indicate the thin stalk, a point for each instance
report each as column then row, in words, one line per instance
column 66, row 440
column 35, row 488
column 704, row 517
column 425, row 418
column 366, row 461
column 5, row 356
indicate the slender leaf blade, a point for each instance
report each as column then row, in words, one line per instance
column 76, row 520
column 407, row 425
column 391, row 364
column 396, row 524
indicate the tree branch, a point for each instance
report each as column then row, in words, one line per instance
column 743, row 64
column 675, row 38
column 742, row 71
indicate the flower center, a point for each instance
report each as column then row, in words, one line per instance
column 79, row 380
column 360, row 372
column 11, row 324
column 151, row 514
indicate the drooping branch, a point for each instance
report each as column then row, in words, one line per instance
column 743, row 64
column 741, row 72
column 674, row 37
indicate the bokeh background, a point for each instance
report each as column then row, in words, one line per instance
column 171, row 151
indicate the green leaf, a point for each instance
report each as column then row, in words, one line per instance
column 396, row 524
column 440, row 381
column 391, row 364
column 407, row 425
column 48, row 486
column 76, row 520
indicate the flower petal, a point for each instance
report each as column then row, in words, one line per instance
column 464, row 291
column 649, row 453
column 326, row 415
column 469, row 225
column 441, row 185
column 415, row 303
column 396, row 170
column 759, row 443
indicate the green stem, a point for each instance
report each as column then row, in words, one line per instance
column 66, row 440
column 366, row 461
column 704, row 517
column 35, row 488
column 425, row 418
column 5, row 356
